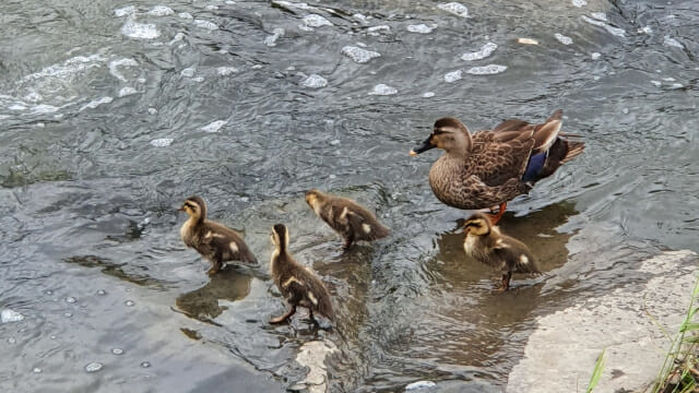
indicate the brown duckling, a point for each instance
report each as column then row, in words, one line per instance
column 488, row 245
column 212, row 240
column 298, row 285
column 488, row 168
column 352, row 221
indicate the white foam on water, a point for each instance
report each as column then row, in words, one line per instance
column 271, row 40
column 17, row 107
column 115, row 64
column 455, row 8
column 376, row 30
column 160, row 142
column 214, row 126
column 188, row 72
column 359, row 55
column 66, row 70
column 44, row 108
column 127, row 91
column 33, row 97
column 656, row 83
column 453, row 76
column 124, row 11
column 177, row 38
column 161, row 10
column 428, row 94
column 185, row 15
column 489, row 69
column 595, row 55
column 211, row 7
column 117, row 351
column 314, row 81
column 579, row 3
column 141, row 31
column 225, row 71
column 93, row 367
column 599, row 22
column 314, row 20
column 383, row 90
column 419, row 385
column 95, row 103
column 7, row 315
column 361, row 17
column 669, row 41
column 205, row 24
column 599, row 15
column 289, row 4
column 421, row 28
column 485, row 51
column 563, row 39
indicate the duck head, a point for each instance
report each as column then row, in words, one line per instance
column 313, row 197
column 195, row 207
column 449, row 134
column 478, row 225
column 280, row 237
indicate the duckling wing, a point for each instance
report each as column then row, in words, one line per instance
column 516, row 255
column 228, row 245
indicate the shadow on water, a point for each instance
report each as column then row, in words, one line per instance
column 115, row 269
column 203, row 303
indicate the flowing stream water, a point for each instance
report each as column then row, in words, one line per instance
column 113, row 112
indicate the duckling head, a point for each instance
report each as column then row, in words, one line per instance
column 280, row 237
column 449, row 134
column 313, row 198
column 195, row 207
column 478, row 225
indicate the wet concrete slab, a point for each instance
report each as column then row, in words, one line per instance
column 630, row 323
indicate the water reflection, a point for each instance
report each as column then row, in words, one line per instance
column 203, row 303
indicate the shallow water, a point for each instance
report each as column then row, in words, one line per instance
column 111, row 113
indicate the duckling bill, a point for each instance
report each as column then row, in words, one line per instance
column 212, row 240
column 350, row 220
column 485, row 243
column 298, row 285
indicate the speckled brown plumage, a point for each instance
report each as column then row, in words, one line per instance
column 352, row 221
column 485, row 243
column 213, row 241
column 492, row 167
column 298, row 285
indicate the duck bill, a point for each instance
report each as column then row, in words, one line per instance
column 426, row 145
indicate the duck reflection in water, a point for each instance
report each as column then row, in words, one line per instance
column 202, row 303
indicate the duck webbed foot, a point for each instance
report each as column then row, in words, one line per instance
column 214, row 269
column 495, row 217
column 505, row 283
column 348, row 243
column 284, row 317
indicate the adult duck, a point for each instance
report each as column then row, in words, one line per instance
column 491, row 167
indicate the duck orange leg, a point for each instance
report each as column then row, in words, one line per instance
column 497, row 216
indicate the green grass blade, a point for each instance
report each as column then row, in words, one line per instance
column 597, row 372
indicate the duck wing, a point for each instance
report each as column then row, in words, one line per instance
column 497, row 157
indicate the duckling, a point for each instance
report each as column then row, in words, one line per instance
column 489, row 168
column 352, row 221
column 212, row 240
column 298, row 285
column 488, row 245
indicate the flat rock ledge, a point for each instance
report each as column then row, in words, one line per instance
column 561, row 353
